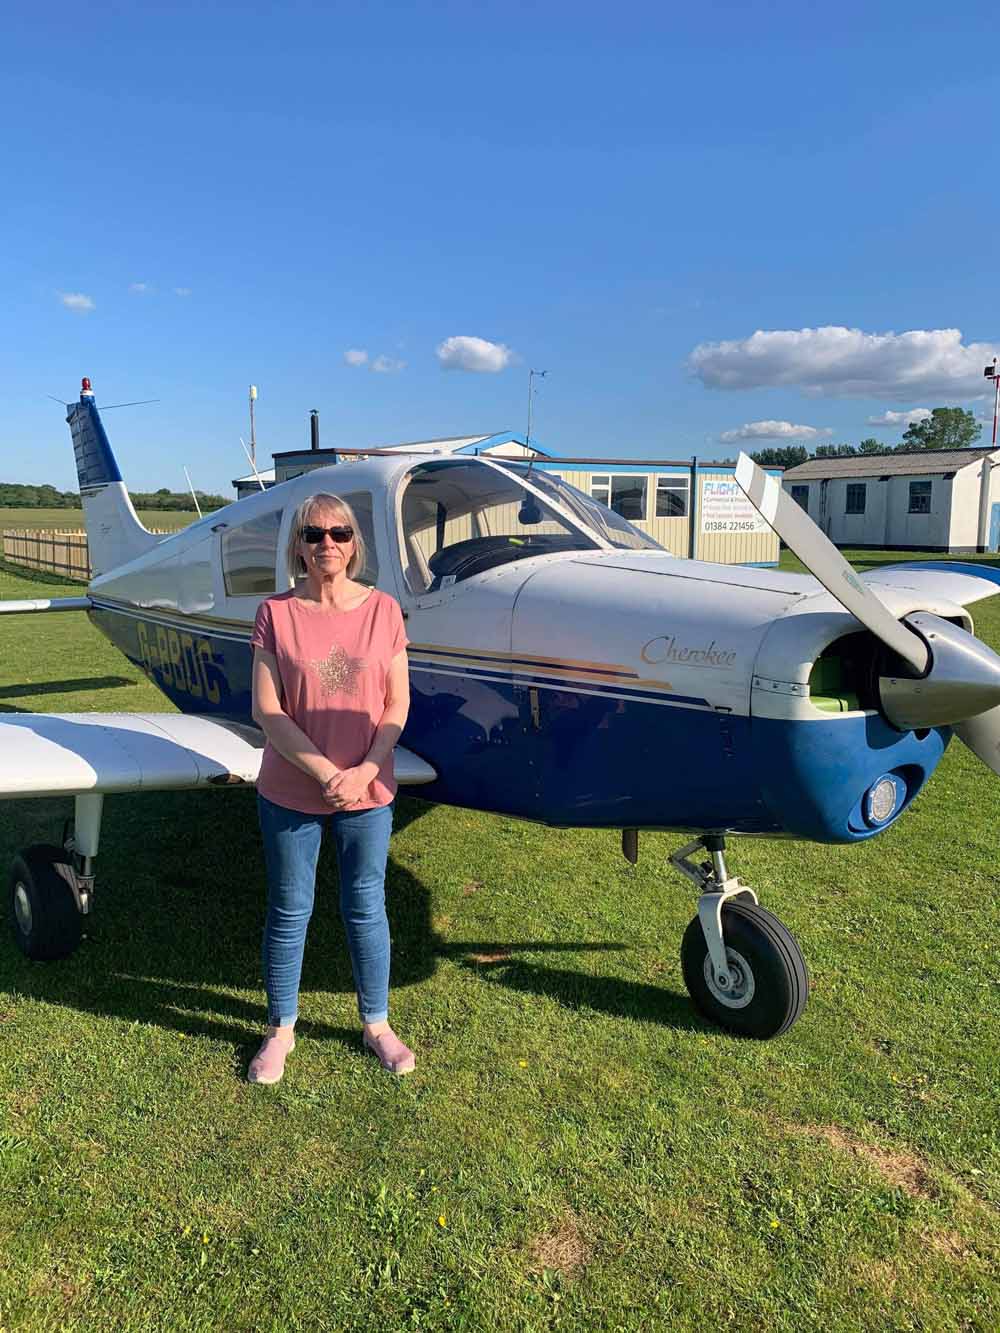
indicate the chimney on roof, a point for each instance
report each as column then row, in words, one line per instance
column 314, row 428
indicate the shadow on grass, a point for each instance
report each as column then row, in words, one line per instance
column 46, row 576
column 65, row 686
column 578, row 991
column 179, row 912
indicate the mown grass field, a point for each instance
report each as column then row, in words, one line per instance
column 71, row 520
column 576, row 1150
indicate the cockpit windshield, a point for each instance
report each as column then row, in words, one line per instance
column 594, row 516
column 461, row 518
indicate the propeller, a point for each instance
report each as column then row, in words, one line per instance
column 822, row 559
column 982, row 735
column 956, row 680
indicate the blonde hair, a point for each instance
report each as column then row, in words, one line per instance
column 300, row 520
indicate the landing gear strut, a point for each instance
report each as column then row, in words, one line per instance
column 52, row 888
column 742, row 967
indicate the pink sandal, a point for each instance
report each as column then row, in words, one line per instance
column 392, row 1054
column 268, row 1064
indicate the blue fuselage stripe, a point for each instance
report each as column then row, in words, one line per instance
column 578, row 752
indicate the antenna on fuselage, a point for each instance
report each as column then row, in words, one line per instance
column 527, row 439
column 260, row 482
column 191, row 489
column 110, row 407
column 253, row 428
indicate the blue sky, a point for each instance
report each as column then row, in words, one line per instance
column 595, row 190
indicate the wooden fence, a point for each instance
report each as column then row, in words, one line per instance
column 64, row 553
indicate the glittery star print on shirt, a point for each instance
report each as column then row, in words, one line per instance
column 333, row 667
column 338, row 671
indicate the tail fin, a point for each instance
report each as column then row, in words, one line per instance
column 114, row 533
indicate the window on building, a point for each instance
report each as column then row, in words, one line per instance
column 857, row 492
column 672, row 497
column 800, row 494
column 622, row 492
column 249, row 555
column 920, row 497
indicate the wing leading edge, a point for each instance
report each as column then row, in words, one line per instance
column 69, row 754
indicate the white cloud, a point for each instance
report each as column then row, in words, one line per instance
column 182, row 291
column 465, row 353
column 355, row 356
column 774, row 430
column 387, row 365
column 139, row 288
column 76, row 301
column 894, row 419
column 839, row 362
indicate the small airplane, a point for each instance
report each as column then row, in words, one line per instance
column 564, row 669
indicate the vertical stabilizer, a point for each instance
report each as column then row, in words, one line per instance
column 114, row 533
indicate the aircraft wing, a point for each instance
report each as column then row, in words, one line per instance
column 955, row 580
column 54, row 754
column 17, row 608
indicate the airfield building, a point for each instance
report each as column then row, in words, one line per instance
column 924, row 500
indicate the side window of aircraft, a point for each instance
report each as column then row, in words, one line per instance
column 249, row 555
column 361, row 503
column 461, row 518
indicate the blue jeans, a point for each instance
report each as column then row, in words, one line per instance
column 291, row 850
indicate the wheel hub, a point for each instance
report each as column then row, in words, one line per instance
column 742, row 985
column 22, row 909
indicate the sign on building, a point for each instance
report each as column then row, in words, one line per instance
column 724, row 508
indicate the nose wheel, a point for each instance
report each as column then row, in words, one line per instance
column 742, row 966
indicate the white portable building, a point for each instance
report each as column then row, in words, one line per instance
column 923, row 500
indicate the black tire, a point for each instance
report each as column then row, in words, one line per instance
column 780, row 982
column 41, row 907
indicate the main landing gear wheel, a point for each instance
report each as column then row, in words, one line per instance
column 43, row 909
column 769, row 983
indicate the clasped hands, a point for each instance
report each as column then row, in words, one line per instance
column 348, row 786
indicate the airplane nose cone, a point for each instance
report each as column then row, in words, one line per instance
column 963, row 679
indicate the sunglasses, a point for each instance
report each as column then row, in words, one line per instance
column 314, row 535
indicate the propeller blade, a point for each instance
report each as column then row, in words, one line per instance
column 822, row 559
column 982, row 735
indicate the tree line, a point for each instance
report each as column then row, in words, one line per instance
column 945, row 428
column 14, row 495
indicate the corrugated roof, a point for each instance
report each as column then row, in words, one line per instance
column 915, row 463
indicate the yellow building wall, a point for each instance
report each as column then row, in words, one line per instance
column 673, row 534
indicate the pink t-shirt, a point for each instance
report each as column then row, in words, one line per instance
column 334, row 666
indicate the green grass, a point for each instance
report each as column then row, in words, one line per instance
column 71, row 520
column 601, row 1158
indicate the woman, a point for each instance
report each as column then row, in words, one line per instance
column 331, row 694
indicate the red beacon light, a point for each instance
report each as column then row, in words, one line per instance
column 85, row 389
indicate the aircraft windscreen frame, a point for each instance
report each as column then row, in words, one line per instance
column 462, row 508
column 609, row 525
